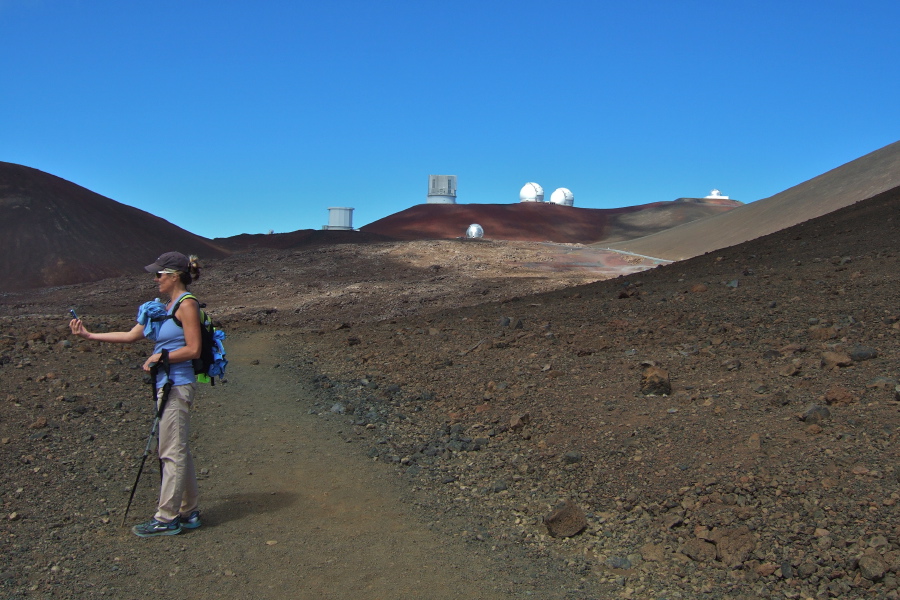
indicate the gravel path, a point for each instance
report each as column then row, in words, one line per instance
column 290, row 508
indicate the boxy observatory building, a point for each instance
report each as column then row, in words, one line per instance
column 339, row 218
column 441, row 189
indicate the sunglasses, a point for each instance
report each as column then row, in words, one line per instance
column 159, row 274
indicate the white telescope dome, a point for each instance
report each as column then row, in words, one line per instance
column 531, row 192
column 563, row 197
column 474, row 231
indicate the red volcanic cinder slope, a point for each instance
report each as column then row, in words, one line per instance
column 54, row 232
column 541, row 221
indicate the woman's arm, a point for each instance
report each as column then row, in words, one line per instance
column 189, row 315
column 116, row 337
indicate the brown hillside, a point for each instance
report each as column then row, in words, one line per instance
column 538, row 222
column 857, row 180
column 727, row 424
column 54, row 232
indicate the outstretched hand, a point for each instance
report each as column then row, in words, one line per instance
column 78, row 329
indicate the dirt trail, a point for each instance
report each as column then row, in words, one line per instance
column 291, row 511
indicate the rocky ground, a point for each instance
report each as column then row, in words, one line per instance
column 724, row 427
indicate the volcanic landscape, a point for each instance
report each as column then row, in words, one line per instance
column 526, row 417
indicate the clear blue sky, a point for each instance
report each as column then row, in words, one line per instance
column 261, row 115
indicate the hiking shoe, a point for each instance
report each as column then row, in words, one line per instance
column 154, row 527
column 192, row 521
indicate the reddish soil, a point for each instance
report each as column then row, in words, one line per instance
column 543, row 221
column 53, row 232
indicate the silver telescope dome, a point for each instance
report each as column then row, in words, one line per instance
column 563, row 197
column 531, row 192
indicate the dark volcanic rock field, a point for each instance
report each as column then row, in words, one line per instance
column 722, row 427
column 769, row 470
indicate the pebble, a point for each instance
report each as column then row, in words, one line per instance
column 566, row 520
column 618, row 562
column 655, row 382
column 572, row 457
column 872, row 567
column 861, row 353
column 835, row 360
column 815, row 414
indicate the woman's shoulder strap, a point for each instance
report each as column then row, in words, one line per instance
column 178, row 304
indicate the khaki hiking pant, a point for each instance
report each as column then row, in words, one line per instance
column 178, row 493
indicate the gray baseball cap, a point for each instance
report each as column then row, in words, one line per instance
column 171, row 261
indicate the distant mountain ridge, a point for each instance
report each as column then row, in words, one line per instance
column 54, row 232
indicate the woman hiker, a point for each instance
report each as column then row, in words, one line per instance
column 177, row 508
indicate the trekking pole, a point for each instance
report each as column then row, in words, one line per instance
column 154, row 372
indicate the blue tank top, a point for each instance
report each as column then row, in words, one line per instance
column 171, row 338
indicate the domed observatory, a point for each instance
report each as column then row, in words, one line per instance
column 474, row 232
column 531, row 192
column 563, row 197
column 441, row 189
column 716, row 195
